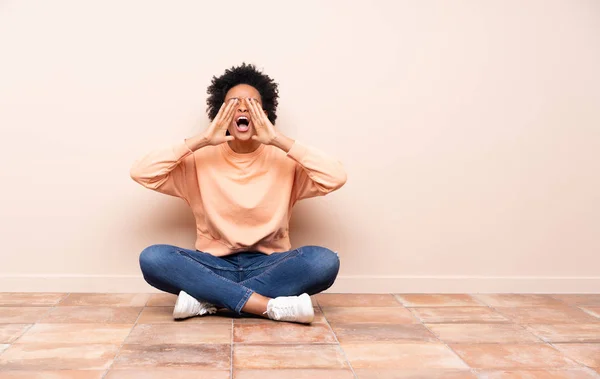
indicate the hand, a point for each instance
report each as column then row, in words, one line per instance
column 215, row 133
column 265, row 131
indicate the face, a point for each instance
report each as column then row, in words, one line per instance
column 241, row 127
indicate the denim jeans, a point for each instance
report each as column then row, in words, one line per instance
column 229, row 281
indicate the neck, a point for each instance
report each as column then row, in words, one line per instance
column 243, row 147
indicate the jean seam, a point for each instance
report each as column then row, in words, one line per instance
column 248, row 290
column 242, row 302
column 274, row 265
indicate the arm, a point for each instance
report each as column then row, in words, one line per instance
column 164, row 170
column 316, row 173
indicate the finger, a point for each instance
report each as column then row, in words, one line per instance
column 255, row 116
column 231, row 112
column 255, row 138
column 229, row 138
column 228, row 113
column 220, row 112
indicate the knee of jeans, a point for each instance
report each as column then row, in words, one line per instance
column 150, row 258
column 325, row 261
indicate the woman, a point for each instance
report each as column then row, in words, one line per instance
column 241, row 177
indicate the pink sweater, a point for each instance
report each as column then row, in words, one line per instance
column 241, row 202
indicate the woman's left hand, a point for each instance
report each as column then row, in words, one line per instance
column 265, row 131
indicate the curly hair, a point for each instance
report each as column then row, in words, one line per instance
column 244, row 74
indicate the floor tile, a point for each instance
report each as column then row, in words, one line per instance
column 538, row 374
column 357, row 300
column 204, row 356
column 580, row 299
column 482, row 333
column 288, row 357
column 350, row 333
column 369, row 315
column 584, row 353
column 51, row 356
column 76, row 333
column 293, row 374
column 106, row 299
column 518, row 300
column 507, row 356
column 547, row 315
column 180, row 333
column 438, row 300
column 594, row 311
column 164, row 315
column 458, row 315
column 10, row 332
column 250, row 319
column 282, row 333
column 162, row 300
column 22, row 315
column 423, row 373
column 405, row 356
column 57, row 374
column 30, row 299
column 91, row 314
column 167, row 374
column 567, row 332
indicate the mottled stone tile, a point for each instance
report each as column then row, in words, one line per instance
column 180, row 333
column 76, row 333
column 52, row 356
column 438, row 300
column 30, row 299
column 357, row 300
column 567, row 332
column 402, row 356
column 282, row 333
column 507, row 356
column 10, row 332
column 350, row 333
column 482, row 333
column 464, row 315
column 518, row 300
column 197, row 357
column 369, row 315
column 91, row 314
column 288, row 357
column 106, row 299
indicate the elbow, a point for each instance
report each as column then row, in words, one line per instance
column 340, row 180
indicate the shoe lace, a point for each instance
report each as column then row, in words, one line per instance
column 280, row 311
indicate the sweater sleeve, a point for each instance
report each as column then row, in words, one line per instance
column 164, row 170
column 316, row 173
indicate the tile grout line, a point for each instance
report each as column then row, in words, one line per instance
column 231, row 351
column 125, row 339
column 36, row 322
column 337, row 341
column 544, row 342
column 471, row 369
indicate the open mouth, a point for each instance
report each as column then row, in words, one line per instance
column 242, row 124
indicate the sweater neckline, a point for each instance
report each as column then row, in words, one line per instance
column 242, row 156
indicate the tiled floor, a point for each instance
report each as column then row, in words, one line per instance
column 116, row 336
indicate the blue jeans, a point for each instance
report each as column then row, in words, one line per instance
column 229, row 281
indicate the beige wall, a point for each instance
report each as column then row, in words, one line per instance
column 470, row 131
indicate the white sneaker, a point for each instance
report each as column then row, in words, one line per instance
column 187, row 306
column 291, row 308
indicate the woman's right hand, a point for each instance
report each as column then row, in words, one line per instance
column 215, row 133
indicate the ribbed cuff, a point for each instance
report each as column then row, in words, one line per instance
column 181, row 150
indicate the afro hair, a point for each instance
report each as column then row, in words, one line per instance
column 244, row 74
